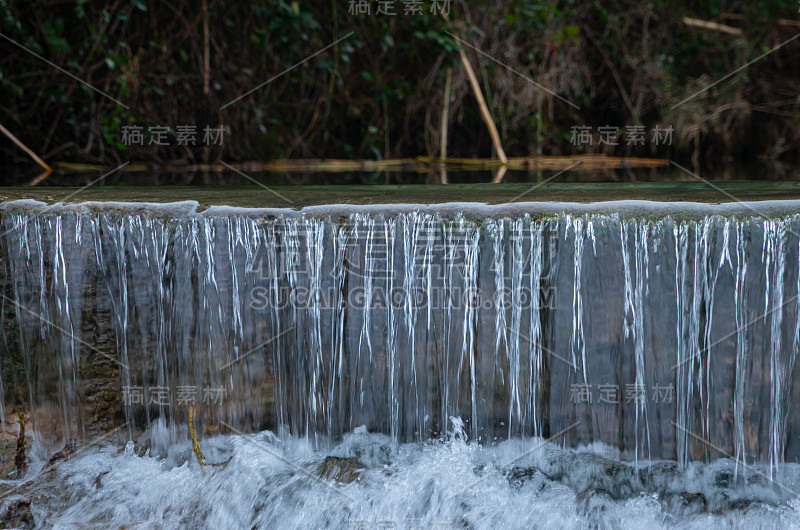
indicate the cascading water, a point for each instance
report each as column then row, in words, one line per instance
column 662, row 338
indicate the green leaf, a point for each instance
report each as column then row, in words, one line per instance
column 58, row 44
column 141, row 5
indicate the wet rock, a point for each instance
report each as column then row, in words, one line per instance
column 18, row 515
column 616, row 479
column 695, row 500
column 688, row 503
column 379, row 453
column 723, row 479
column 345, row 470
column 612, row 469
column 371, row 450
column 621, row 480
column 593, row 502
column 657, row 477
column 517, row 476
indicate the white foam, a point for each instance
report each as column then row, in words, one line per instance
column 263, row 482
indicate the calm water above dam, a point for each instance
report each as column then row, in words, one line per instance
column 569, row 362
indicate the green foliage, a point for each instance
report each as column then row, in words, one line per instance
column 377, row 93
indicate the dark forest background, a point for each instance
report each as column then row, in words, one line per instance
column 379, row 93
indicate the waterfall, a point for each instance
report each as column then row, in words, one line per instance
column 666, row 337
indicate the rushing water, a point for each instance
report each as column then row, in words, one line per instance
column 259, row 481
column 434, row 346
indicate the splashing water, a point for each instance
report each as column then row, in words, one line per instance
column 261, row 481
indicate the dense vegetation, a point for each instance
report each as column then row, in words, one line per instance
column 379, row 93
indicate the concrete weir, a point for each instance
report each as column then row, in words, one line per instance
column 667, row 330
